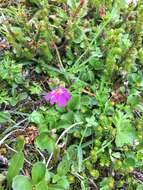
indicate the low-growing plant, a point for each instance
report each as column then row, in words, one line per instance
column 71, row 91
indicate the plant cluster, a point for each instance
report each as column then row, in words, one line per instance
column 90, row 52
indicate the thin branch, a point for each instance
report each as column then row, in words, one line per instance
column 94, row 39
column 61, row 63
column 15, row 126
column 60, row 137
column 41, row 154
column 59, row 57
column 8, row 147
column 8, row 135
column 93, row 183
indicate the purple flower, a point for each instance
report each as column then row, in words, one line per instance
column 61, row 96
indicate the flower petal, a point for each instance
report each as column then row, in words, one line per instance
column 54, row 99
column 66, row 93
column 60, row 95
column 47, row 96
column 62, row 101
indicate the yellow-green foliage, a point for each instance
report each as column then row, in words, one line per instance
column 94, row 48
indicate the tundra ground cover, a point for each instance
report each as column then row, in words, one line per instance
column 71, row 95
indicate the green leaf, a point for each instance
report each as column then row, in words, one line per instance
column 44, row 141
column 16, row 164
column 116, row 155
column 36, row 117
column 91, row 121
column 20, row 143
column 140, row 187
column 54, row 187
column 21, row 183
column 38, row 172
column 72, row 3
column 56, row 178
column 22, row 96
column 126, row 133
column 74, row 103
column 69, row 158
column 129, row 162
column 96, row 63
column 42, row 186
column 80, row 158
column 35, row 89
column 45, row 51
column 133, row 101
column 4, row 116
column 84, row 185
column 64, row 166
column 47, row 176
column 63, row 183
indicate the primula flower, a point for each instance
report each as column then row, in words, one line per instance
column 61, row 96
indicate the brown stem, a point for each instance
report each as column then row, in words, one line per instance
column 74, row 15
